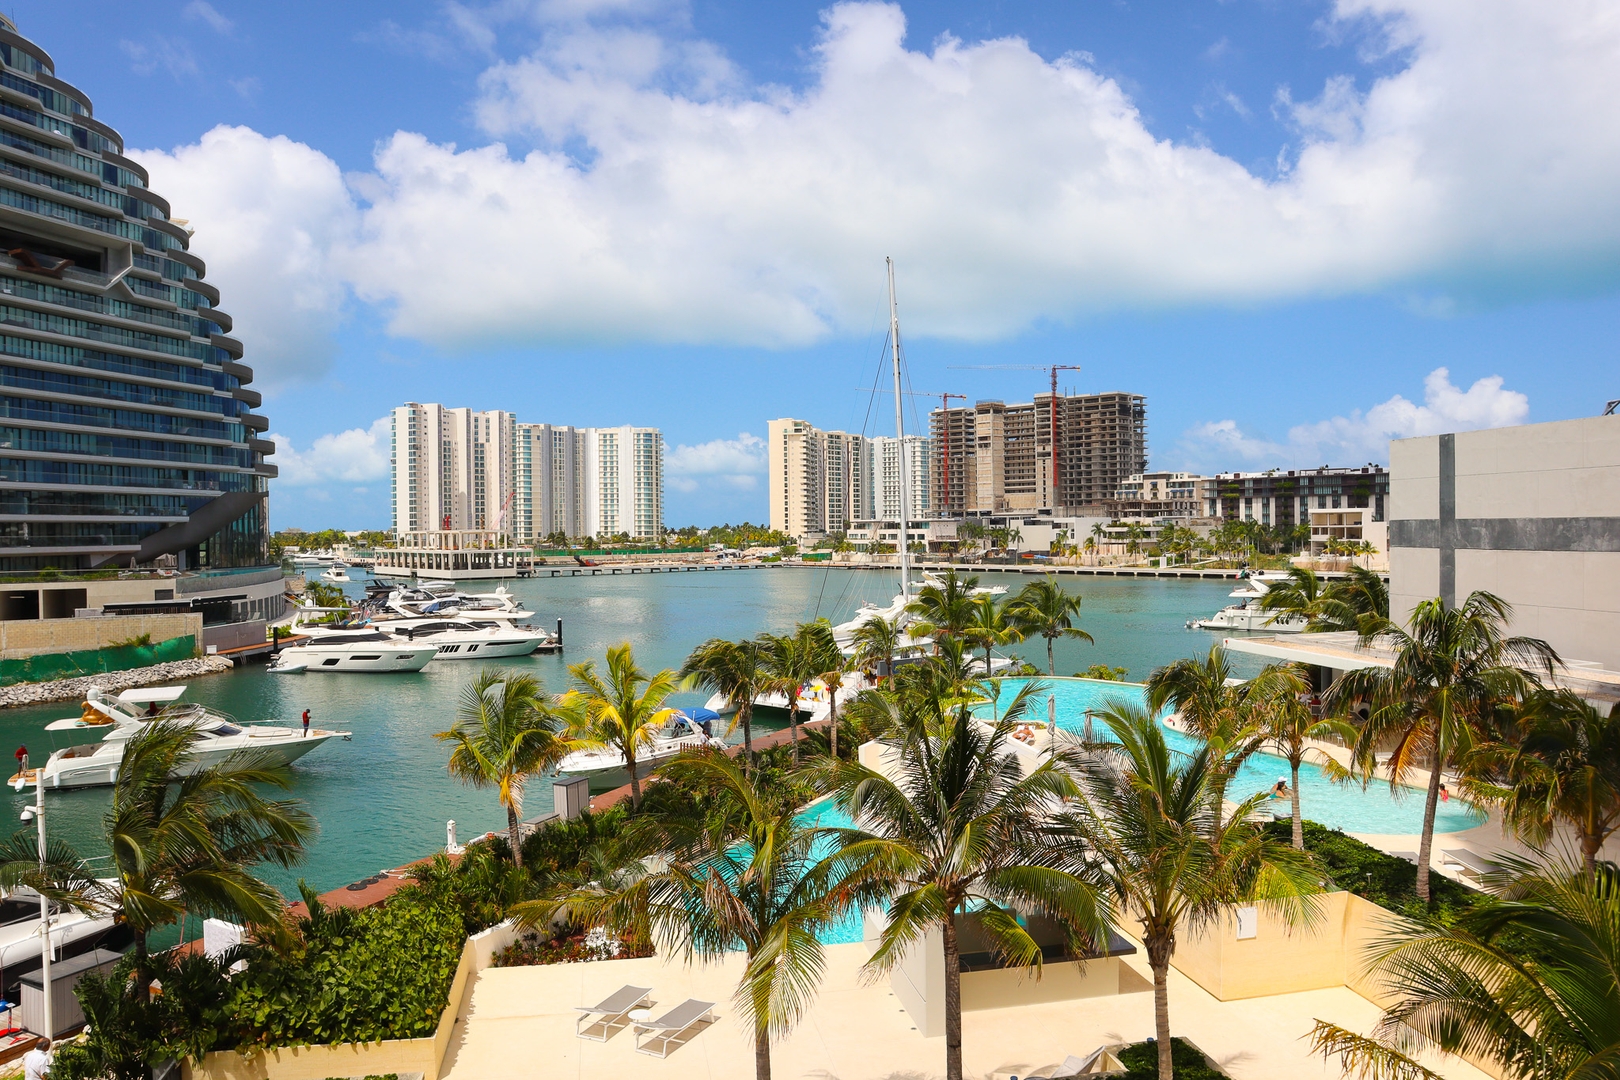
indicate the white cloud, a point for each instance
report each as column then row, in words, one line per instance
column 693, row 206
column 267, row 212
column 348, row 457
column 171, row 54
column 204, row 11
column 1362, row 436
column 732, row 463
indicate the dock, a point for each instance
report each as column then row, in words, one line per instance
column 544, row 570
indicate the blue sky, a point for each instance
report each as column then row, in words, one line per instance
column 1278, row 220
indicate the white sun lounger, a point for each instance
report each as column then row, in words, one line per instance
column 1409, row 856
column 610, row 1014
column 1471, row 861
column 671, row 1029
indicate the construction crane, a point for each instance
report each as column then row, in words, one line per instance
column 1054, row 369
column 945, row 407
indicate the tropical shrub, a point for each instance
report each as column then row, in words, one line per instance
column 574, row 949
column 1141, row 1061
column 1104, row 672
column 1372, row 875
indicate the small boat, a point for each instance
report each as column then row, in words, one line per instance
column 121, row 718
column 1248, row 614
column 338, row 572
column 606, row 766
column 72, row 933
column 366, row 649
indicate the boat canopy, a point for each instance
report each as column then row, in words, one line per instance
column 146, row 695
column 698, row 716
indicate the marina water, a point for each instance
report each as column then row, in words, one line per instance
column 382, row 799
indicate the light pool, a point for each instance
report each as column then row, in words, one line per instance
column 1339, row 806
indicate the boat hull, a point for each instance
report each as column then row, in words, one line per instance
column 273, row 753
column 382, row 659
column 484, row 650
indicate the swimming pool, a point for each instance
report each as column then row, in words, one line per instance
column 825, row 815
column 1338, row 806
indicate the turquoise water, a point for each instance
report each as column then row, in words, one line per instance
column 824, row 815
column 382, row 799
column 1348, row 807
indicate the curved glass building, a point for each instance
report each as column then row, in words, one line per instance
column 126, row 424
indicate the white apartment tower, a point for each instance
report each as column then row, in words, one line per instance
column 820, row 481
column 462, row 469
column 886, row 465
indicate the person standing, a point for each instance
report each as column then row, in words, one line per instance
column 37, row 1062
column 306, row 723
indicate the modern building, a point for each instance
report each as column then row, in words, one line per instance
column 1530, row 513
column 1279, row 497
column 914, row 454
column 821, row 482
column 457, row 469
column 128, row 436
column 1152, row 496
column 993, row 458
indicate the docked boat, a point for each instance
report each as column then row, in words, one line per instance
column 365, row 649
column 471, row 639
column 72, row 932
column 338, row 572
column 605, row 766
column 121, row 718
column 1248, row 614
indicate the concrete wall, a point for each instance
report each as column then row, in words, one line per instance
column 423, row 1056
column 42, row 636
column 1537, row 521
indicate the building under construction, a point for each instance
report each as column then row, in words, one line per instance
column 992, row 456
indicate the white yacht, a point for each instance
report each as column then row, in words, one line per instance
column 442, row 598
column 338, row 572
column 1247, row 614
column 606, row 766
column 72, row 931
column 121, row 718
column 366, row 649
column 470, row 638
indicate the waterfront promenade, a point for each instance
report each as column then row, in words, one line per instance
column 677, row 566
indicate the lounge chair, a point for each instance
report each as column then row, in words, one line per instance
column 1409, row 856
column 1472, row 862
column 672, row 1029
column 610, row 1014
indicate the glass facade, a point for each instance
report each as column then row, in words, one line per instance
column 126, row 428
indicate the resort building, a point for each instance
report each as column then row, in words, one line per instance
column 821, row 482
column 1530, row 513
column 1156, row 495
column 1278, row 497
column 993, row 457
column 461, row 469
column 888, row 458
column 128, row 436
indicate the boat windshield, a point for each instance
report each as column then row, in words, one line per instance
column 226, row 730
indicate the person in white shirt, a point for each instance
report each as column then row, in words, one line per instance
column 37, row 1062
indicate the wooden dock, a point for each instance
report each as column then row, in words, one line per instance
column 1038, row 570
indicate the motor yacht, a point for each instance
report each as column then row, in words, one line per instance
column 72, row 932
column 1248, row 614
column 470, row 638
column 338, row 572
column 605, row 766
column 121, row 718
column 362, row 649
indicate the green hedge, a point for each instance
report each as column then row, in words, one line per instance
column 1385, row 880
column 1141, row 1061
column 72, row 665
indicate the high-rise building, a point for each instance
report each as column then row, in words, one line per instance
column 886, row 465
column 820, row 481
column 127, row 432
column 456, row 469
column 991, row 457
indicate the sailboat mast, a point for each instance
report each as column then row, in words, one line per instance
column 900, row 443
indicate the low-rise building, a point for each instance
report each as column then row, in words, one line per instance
column 1287, row 497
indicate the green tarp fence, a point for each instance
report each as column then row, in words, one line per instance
column 72, row 665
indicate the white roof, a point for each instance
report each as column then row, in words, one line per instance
column 145, row 695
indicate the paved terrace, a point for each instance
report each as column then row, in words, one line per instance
column 518, row 1017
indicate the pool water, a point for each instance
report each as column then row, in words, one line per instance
column 825, row 815
column 1374, row 809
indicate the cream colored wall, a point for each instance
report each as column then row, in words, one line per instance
column 1061, row 981
column 1279, row 959
column 34, row 637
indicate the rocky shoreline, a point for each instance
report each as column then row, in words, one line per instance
column 115, row 681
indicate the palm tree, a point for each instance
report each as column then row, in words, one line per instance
column 747, row 875
column 954, row 823
column 831, row 666
column 1527, row 984
column 1149, row 835
column 180, row 843
column 947, row 609
column 1287, row 725
column 1211, row 709
column 1452, row 668
column 993, row 624
column 791, row 660
column 736, row 670
column 1044, row 608
column 876, row 640
column 506, row 731
column 1565, row 767
column 1300, row 595
column 625, row 709
column 1350, row 603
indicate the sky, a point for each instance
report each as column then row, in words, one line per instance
column 1298, row 228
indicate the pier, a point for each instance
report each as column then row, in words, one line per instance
column 544, row 570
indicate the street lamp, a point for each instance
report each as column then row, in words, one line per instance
column 36, row 814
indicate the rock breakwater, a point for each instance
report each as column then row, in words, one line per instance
column 112, row 681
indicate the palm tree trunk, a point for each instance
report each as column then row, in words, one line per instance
column 1051, row 664
column 512, row 837
column 762, row 1052
column 832, row 722
column 1158, row 950
column 746, row 711
column 793, row 726
column 635, row 780
column 953, row 999
column 1299, row 823
column 1426, row 845
column 1589, row 849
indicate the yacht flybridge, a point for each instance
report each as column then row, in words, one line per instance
column 121, row 718
column 1248, row 614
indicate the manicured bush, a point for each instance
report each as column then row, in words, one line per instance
column 1385, row 880
column 574, row 949
column 1142, row 1061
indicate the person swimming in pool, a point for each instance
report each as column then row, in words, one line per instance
column 1279, row 790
